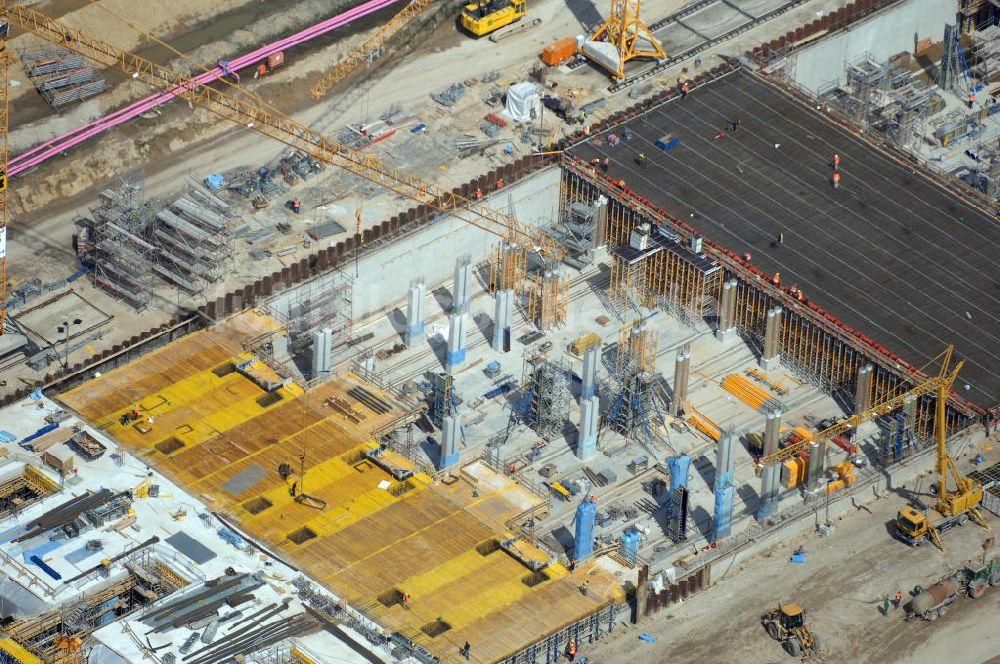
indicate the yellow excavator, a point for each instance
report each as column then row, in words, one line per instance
column 485, row 16
column 953, row 508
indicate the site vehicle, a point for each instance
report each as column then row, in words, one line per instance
column 932, row 603
column 787, row 624
column 953, row 508
column 484, row 16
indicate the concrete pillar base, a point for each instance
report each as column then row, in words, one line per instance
column 586, row 447
column 770, row 363
column 726, row 335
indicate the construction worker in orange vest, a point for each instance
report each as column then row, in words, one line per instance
column 500, row 184
column 836, row 162
column 747, row 256
column 972, row 99
column 800, row 296
column 571, row 650
column 406, row 600
column 479, row 193
column 836, row 180
column 297, row 205
column 621, row 184
column 776, row 279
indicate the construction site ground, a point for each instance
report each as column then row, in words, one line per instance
column 181, row 146
column 890, row 253
column 842, row 584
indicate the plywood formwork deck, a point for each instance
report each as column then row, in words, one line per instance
column 222, row 437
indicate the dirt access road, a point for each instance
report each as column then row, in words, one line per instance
column 844, row 579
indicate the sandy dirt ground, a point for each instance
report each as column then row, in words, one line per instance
column 844, row 580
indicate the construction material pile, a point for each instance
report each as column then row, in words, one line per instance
column 61, row 76
column 745, row 391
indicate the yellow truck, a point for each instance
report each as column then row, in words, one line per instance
column 485, row 16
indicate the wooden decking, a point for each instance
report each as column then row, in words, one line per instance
column 222, row 437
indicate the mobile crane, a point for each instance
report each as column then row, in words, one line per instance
column 953, row 508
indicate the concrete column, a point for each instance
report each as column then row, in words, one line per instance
column 817, row 463
column 724, row 460
column 772, row 427
column 863, row 390
column 451, row 434
column 770, row 358
column 682, row 366
column 456, row 341
column 600, row 222
column 415, row 313
column 322, row 341
column 771, row 476
column 722, row 519
column 503, row 320
column 586, row 443
column 727, row 312
column 461, row 292
column 591, row 362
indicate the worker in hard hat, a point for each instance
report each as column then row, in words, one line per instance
column 776, row 279
column 836, row 180
column 836, row 162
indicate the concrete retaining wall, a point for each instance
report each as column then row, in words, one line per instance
column 886, row 33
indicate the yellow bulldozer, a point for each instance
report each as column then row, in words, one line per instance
column 787, row 625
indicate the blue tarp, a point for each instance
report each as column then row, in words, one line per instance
column 215, row 181
column 38, row 434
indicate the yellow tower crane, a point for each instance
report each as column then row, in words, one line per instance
column 622, row 37
column 252, row 114
column 368, row 49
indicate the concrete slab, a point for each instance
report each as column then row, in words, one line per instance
column 889, row 253
column 43, row 320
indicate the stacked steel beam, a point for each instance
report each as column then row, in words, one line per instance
column 62, row 77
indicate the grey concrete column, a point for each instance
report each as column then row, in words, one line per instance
column 322, row 341
column 772, row 427
column 727, row 312
column 682, row 367
column 771, row 475
column 772, row 328
column 817, row 463
column 451, row 435
column 461, row 292
column 586, row 444
column 863, row 390
column 415, row 313
column 456, row 342
column 591, row 362
column 600, row 222
column 503, row 321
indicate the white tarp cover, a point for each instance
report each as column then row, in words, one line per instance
column 101, row 654
column 17, row 602
column 522, row 99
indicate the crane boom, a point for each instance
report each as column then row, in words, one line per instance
column 373, row 44
column 940, row 384
column 283, row 128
